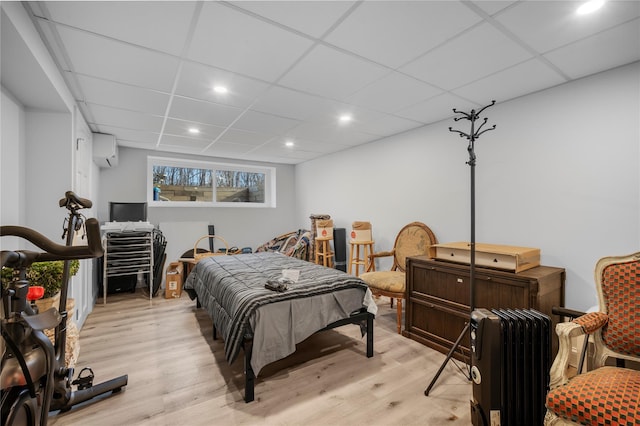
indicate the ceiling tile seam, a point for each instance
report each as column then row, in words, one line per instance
column 290, row 29
column 109, row 38
column 505, row 31
column 275, row 82
column 122, row 83
column 148, row 114
column 602, row 31
column 121, row 127
column 321, row 41
column 228, row 127
column 273, row 139
column 195, row 17
column 183, row 59
column 315, row 42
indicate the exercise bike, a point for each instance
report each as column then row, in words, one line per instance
column 34, row 378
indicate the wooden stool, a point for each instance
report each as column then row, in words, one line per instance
column 323, row 250
column 365, row 260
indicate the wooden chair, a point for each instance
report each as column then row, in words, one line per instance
column 606, row 394
column 412, row 240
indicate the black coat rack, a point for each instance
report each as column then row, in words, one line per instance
column 472, row 136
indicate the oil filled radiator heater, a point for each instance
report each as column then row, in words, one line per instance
column 511, row 358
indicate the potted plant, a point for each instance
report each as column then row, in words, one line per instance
column 47, row 275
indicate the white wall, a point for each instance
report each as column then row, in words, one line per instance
column 48, row 169
column 241, row 227
column 561, row 172
column 37, row 148
column 12, row 178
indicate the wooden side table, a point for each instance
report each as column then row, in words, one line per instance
column 324, row 255
column 365, row 260
column 188, row 263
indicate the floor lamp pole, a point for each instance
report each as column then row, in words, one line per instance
column 471, row 137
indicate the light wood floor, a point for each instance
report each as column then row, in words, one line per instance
column 178, row 374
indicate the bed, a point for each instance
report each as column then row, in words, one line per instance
column 267, row 324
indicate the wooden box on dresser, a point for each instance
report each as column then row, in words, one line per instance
column 438, row 299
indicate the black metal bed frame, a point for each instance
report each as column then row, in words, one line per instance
column 249, row 377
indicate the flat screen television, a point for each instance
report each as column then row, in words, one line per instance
column 127, row 212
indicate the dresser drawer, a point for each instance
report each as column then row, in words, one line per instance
column 438, row 327
column 438, row 298
column 452, row 288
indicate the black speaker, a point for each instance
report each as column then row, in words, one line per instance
column 340, row 248
column 212, row 231
column 486, row 368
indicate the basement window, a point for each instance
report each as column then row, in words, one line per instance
column 187, row 183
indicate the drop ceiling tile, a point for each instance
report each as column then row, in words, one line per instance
column 377, row 123
column 393, row 92
column 197, row 81
column 254, row 121
column 181, row 128
column 278, row 151
column 226, row 149
column 244, row 137
column 125, row 118
column 342, row 135
column 306, row 145
column 179, row 142
column 159, row 25
column 460, row 61
column 117, row 95
column 297, row 105
column 203, row 112
column 595, row 54
column 310, row 17
column 197, row 152
column 491, row 7
column 341, row 76
column 437, row 108
column 509, row 84
column 128, row 135
column 231, row 40
column 395, row 32
column 546, row 25
column 110, row 60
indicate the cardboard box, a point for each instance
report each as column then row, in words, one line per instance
column 361, row 232
column 510, row 258
column 324, row 228
column 173, row 282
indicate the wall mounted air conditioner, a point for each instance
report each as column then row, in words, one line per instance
column 105, row 150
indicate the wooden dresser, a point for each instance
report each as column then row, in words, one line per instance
column 438, row 298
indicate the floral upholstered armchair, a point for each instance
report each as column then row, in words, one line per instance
column 606, row 394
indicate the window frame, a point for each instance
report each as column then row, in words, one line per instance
column 269, row 184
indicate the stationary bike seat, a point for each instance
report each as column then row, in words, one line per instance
column 71, row 198
column 48, row 319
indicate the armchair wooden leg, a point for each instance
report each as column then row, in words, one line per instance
column 399, row 307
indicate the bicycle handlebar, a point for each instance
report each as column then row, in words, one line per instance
column 53, row 251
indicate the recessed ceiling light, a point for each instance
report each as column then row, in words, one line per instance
column 289, row 143
column 194, row 131
column 345, row 118
column 220, row 89
column 589, row 7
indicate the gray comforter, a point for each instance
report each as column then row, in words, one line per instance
column 232, row 290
